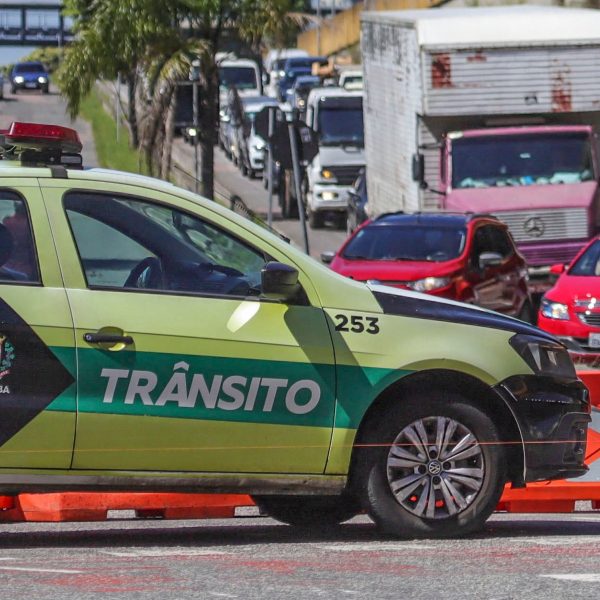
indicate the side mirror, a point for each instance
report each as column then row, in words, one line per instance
column 279, row 281
column 266, row 78
column 490, row 259
column 327, row 257
column 557, row 269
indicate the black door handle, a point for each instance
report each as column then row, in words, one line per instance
column 107, row 338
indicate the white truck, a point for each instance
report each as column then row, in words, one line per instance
column 336, row 115
column 487, row 110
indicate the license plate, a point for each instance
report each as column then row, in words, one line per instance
column 594, row 340
column 30, row 85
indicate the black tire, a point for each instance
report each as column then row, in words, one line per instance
column 13, row 90
column 315, row 219
column 527, row 313
column 462, row 508
column 45, row 89
column 310, row 512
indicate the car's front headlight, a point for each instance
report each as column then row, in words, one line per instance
column 429, row 283
column 554, row 310
column 42, row 80
column 259, row 146
column 544, row 357
column 19, row 79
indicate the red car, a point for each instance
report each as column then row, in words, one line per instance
column 571, row 309
column 465, row 257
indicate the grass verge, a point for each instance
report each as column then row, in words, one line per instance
column 112, row 154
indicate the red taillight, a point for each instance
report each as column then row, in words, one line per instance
column 40, row 136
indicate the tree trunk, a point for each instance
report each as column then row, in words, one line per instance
column 131, row 108
column 208, row 128
column 169, row 133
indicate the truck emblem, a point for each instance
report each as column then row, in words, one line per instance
column 534, row 226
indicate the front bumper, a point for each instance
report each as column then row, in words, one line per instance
column 552, row 415
column 29, row 85
column 329, row 197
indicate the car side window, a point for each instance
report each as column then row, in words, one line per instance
column 481, row 243
column 132, row 244
column 501, row 242
column 18, row 257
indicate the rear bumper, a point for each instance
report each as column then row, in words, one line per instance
column 552, row 415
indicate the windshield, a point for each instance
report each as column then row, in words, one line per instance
column 588, row 263
column 515, row 160
column 341, row 126
column 243, row 78
column 406, row 242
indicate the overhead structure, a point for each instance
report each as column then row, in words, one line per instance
column 40, row 23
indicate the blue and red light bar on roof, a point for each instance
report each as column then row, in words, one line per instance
column 39, row 136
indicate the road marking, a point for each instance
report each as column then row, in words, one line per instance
column 7, row 558
column 560, row 541
column 221, row 595
column 161, row 553
column 374, row 547
column 34, row 570
column 583, row 577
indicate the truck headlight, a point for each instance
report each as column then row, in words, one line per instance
column 327, row 175
column 544, row 357
column 554, row 310
column 429, row 283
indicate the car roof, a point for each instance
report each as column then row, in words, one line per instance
column 437, row 219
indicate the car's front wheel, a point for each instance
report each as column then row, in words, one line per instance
column 433, row 467
column 311, row 512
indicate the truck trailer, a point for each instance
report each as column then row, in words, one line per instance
column 490, row 110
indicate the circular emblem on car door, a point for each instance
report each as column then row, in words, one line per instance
column 534, row 226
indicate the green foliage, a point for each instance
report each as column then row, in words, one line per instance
column 111, row 154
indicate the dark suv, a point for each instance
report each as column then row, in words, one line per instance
column 29, row 76
column 467, row 257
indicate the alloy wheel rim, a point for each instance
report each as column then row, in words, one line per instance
column 435, row 467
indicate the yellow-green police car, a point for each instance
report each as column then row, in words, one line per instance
column 153, row 340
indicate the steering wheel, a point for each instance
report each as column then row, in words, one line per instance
column 147, row 274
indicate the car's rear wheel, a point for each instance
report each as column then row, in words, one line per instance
column 432, row 467
column 309, row 511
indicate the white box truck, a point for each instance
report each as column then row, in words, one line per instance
column 487, row 110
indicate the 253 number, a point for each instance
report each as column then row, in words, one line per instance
column 357, row 324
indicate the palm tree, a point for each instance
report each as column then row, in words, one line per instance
column 158, row 39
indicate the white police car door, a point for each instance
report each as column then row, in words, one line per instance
column 181, row 365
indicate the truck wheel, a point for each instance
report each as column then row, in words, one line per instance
column 315, row 219
column 309, row 511
column 432, row 468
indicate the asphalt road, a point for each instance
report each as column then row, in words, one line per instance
column 547, row 556
column 516, row 556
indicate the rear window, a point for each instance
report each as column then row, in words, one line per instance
column 404, row 242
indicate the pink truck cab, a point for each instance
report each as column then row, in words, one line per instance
column 542, row 181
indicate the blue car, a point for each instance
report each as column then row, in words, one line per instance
column 29, row 76
column 296, row 67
